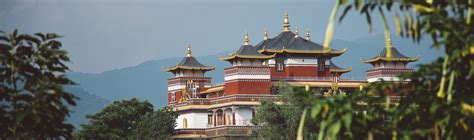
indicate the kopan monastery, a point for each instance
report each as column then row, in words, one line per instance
column 225, row 111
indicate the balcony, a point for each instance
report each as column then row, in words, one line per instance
column 314, row 79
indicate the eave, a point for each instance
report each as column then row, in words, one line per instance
column 214, row 89
column 341, row 70
column 333, row 52
column 247, row 57
column 190, row 68
column 391, row 59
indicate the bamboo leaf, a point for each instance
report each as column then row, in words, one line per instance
column 346, row 10
column 330, row 28
column 301, row 126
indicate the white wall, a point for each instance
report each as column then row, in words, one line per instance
column 297, row 61
column 234, row 77
column 243, row 116
column 195, row 120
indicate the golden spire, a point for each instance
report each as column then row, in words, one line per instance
column 246, row 38
column 307, row 35
column 286, row 23
column 296, row 32
column 389, row 48
column 265, row 34
column 189, row 52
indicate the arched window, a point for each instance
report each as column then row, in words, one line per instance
column 185, row 123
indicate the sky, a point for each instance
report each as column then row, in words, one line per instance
column 103, row 35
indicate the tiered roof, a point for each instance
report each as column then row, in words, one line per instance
column 390, row 53
column 290, row 42
column 190, row 63
column 247, row 51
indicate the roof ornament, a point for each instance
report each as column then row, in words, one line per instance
column 307, row 35
column 265, row 34
column 296, row 32
column 246, row 38
column 389, row 48
column 189, row 52
column 286, row 23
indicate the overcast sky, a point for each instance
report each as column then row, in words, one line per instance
column 109, row 34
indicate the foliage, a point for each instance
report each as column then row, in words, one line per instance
column 129, row 119
column 33, row 103
column 280, row 121
column 438, row 101
column 159, row 125
column 116, row 120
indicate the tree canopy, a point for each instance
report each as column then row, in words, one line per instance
column 437, row 103
column 126, row 119
column 33, row 103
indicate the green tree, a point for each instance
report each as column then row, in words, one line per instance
column 158, row 124
column 33, row 103
column 280, row 121
column 116, row 121
column 436, row 104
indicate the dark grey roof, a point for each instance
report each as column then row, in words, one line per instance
column 190, row 62
column 248, row 50
column 395, row 53
column 289, row 41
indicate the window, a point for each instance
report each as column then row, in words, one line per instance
column 173, row 96
column 209, row 120
column 195, row 92
column 185, row 123
column 321, row 65
column 280, row 65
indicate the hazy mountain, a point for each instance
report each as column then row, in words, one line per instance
column 147, row 81
column 87, row 104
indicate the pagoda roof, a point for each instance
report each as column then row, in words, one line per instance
column 247, row 52
column 334, row 68
column 289, row 42
column 190, row 63
column 396, row 56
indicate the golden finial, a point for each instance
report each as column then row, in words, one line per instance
column 286, row 23
column 307, row 35
column 296, row 32
column 246, row 38
column 265, row 34
column 389, row 48
column 189, row 52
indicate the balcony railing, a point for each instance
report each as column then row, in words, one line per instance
column 316, row 79
column 246, row 122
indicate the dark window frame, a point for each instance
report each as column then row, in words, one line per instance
column 321, row 64
column 280, row 65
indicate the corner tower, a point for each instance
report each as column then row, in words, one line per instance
column 388, row 65
column 189, row 78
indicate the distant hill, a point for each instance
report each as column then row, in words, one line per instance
column 87, row 104
column 147, row 81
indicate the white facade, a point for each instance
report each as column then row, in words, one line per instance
column 234, row 77
column 193, row 120
column 297, row 61
column 243, row 116
column 247, row 62
column 189, row 73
